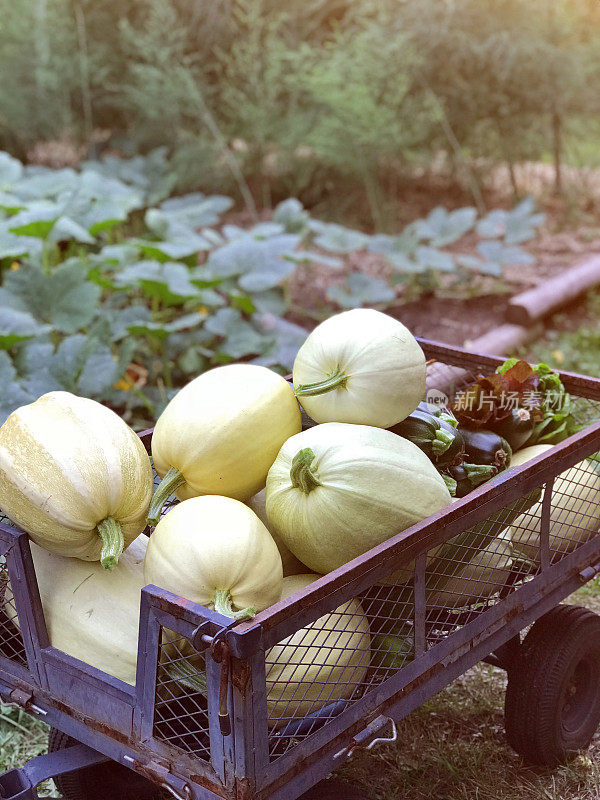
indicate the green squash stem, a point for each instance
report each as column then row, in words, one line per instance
column 168, row 485
column 222, row 602
column 301, row 472
column 335, row 380
column 111, row 534
column 184, row 673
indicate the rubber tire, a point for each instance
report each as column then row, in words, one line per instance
column 560, row 655
column 109, row 781
column 333, row 789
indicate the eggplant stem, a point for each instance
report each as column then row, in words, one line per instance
column 442, row 441
column 111, row 533
column 451, row 484
column 223, row 605
column 336, row 380
column 172, row 480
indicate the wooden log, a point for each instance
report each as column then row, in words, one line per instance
column 525, row 308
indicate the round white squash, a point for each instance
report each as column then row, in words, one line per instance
column 484, row 575
column 91, row 614
column 337, row 490
column 75, row 477
column 221, row 433
column 360, row 366
column 527, row 453
column 216, row 552
column 319, row 664
column 291, row 565
column 574, row 513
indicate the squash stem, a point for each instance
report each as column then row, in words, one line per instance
column 168, row 485
column 184, row 673
column 111, row 534
column 301, row 473
column 334, row 381
column 224, row 606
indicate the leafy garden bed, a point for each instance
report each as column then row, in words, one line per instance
column 113, row 290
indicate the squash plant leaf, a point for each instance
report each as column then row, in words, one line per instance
column 64, row 298
column 291, row 215
column 13, row 394
column 11, row 171
column 336, row 238
column 361, row 290
column 442, row 227
column 18, row 326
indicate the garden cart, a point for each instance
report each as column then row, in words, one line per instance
column 239, row 738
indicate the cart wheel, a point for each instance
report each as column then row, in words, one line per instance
column 552, row 705
column 333, row 790
column 109, row 781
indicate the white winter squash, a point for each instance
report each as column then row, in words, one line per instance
column 360, row 366
column 484, row 575
column 91, row 614
column 216, row 552
column 291, row 565
column 574, row 512
column 336, row 490
column 75, row 477
column 319, row 664
column 221, row 433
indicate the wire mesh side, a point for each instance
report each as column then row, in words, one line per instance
column 11, row 640
column 180, row 704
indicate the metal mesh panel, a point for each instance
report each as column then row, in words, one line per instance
column 464, row 578
column 11, row 641
column 180, row 710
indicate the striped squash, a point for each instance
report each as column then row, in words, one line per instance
column 75, row 477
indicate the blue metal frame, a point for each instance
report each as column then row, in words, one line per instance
column 118, row 720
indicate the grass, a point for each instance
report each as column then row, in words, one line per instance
column 454, row 748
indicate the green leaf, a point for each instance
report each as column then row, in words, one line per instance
column 361, row 290
column 336, row 238
column 17, row 326
column 431, row 258
column 442, row 227
column 286, row 340
column 11, row 172
column 169, row 281
column 162, row 330
column 291, row 214
column 195, row 210
column 65, row 298
column 240, row 337
column 13, row 394
column 67, row 230
column 261, row 264
column 497, row 255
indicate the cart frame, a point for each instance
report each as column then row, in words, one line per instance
column 119, row 721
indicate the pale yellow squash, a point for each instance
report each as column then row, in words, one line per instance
column 75, row 477
column 216, row 552
column 92, row 614
column 291, row 565
column 319, row 664
column 360, row 366
column 337, row 490
column 574, row 513
column 221, row 433
column 484, row 575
